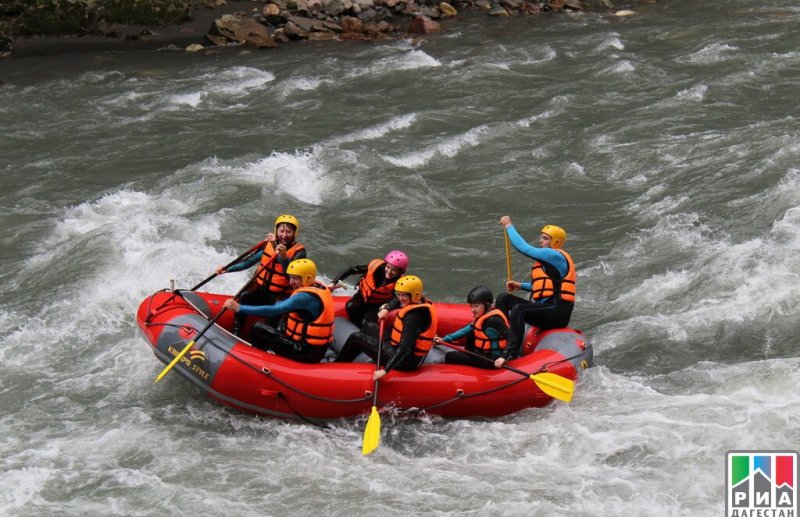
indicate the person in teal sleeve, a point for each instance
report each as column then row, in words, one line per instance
column 552, row 283
column 271, row 284
column 487, row 335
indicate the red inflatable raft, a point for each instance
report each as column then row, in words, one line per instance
column 233, row 372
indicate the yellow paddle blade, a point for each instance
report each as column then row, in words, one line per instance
column 372, row 433
column 174, row 361
column 554, row 385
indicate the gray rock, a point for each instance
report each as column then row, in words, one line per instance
column 241, row 29
column 333, row 7
column 364, row 4
column 498, row 10
column 423, row 25
column 308, row 24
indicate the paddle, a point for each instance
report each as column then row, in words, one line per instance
column 554, row 385
column 211, row 323
column 372, row 433
column 226, row 266
column 508, row 258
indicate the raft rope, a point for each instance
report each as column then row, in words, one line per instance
column 153, row 312
column 302, row 417
column 266, row 371
column 545, row 366
column 460, row 395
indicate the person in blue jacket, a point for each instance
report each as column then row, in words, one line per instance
column 308, row 317
column 551, row 285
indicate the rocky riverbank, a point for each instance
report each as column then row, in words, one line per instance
column 53, row 26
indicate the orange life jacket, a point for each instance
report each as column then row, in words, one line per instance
column 546, row 284
column 368, row 285
column 273, row 277
column 318, row 332
column 424, row 341
column 482, row 341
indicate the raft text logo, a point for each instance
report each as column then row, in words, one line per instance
column 197, row 355
column 761, row 484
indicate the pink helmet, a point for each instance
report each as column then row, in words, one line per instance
column 398, row 259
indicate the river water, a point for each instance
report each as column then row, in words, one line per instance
column 666, row 143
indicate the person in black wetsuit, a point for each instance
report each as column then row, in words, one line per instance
column 375, row 287
column 410, row 338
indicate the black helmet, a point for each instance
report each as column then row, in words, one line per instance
column 480, row 294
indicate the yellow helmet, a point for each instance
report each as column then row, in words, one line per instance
column 305, row 269
column 557, row 235
column 289, row 219
column 411, row 285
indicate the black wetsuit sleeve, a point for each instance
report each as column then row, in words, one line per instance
column 497, row 323
column 393, row 304
column 414, row 324
column 352, row 270
column 284, row 262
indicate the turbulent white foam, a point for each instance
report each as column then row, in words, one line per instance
column 446, row 148
column 305, row 175
column 376, row 131
column 192, row 99
column 303, row 84
column 693, row 94
column 137, row 243
column 575, row 169
column 634, row 430
column 613, row 41
column 301, row 174
column 731, row 272
column 217, row 89
column 547, row 53
column 93, row 77
column 786, row 191
column 410, row 60
column 239, row 80
column 22, row 486
column 399, row 60
column 508, row 59
column 712, row 53
column 528, row 121
column 623, row 67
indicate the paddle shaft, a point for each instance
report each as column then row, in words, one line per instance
column 507, row 367
column 214, row 320
column 372, row 431
column 455, row 347
column 226, row 266
column 508, row 257
column 551, row 384
column 378, row 363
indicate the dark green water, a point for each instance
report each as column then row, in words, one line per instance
column 666, row 143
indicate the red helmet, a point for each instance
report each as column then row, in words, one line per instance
column 398, row 259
